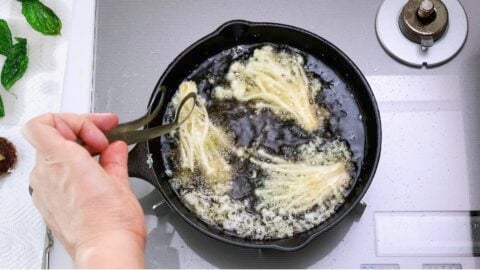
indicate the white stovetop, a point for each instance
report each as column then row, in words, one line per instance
column 433, row 109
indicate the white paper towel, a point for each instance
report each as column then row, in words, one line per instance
column 40, row 89
column 22, row 232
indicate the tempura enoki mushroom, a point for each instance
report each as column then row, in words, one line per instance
column 278, row 81
column 202, row 144
column 295, row 187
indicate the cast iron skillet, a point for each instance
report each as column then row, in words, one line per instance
column 235, row 33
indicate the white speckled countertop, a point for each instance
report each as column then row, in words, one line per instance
column 431, row 133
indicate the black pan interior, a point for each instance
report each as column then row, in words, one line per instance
column 281, row 137
column 347, row 95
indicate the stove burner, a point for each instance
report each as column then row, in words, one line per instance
column 426, row 33
column 424, row 21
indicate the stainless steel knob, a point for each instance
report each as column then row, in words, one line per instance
column 424, row 21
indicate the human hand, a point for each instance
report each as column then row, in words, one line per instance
column 87, row 204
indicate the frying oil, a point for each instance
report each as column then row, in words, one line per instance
column 240, row 211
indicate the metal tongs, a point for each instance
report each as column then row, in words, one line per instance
column 129, row 132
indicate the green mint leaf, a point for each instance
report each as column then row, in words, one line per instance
column 16, row 63
column 2, row 110
column 5, row 37
column 41, row 17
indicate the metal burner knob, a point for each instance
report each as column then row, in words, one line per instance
column 424, row 21
column 431, row 18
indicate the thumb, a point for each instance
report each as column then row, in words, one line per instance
column 114, row 160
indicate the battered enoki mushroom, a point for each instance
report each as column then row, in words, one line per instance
column 295, row 187
column 278, row 81
column 202, row 144
column 8, row 156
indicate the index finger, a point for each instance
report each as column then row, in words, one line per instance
column 89, row 128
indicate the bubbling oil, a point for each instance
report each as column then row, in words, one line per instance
column 242, row 210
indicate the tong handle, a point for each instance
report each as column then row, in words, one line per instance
column 144, row 120
column 128, row 132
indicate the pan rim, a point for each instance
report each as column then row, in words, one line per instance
column 372, row 167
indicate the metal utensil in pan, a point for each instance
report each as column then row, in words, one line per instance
column 231, row 35
column 129, row 133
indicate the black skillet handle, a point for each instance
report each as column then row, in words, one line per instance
column 138, row 164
